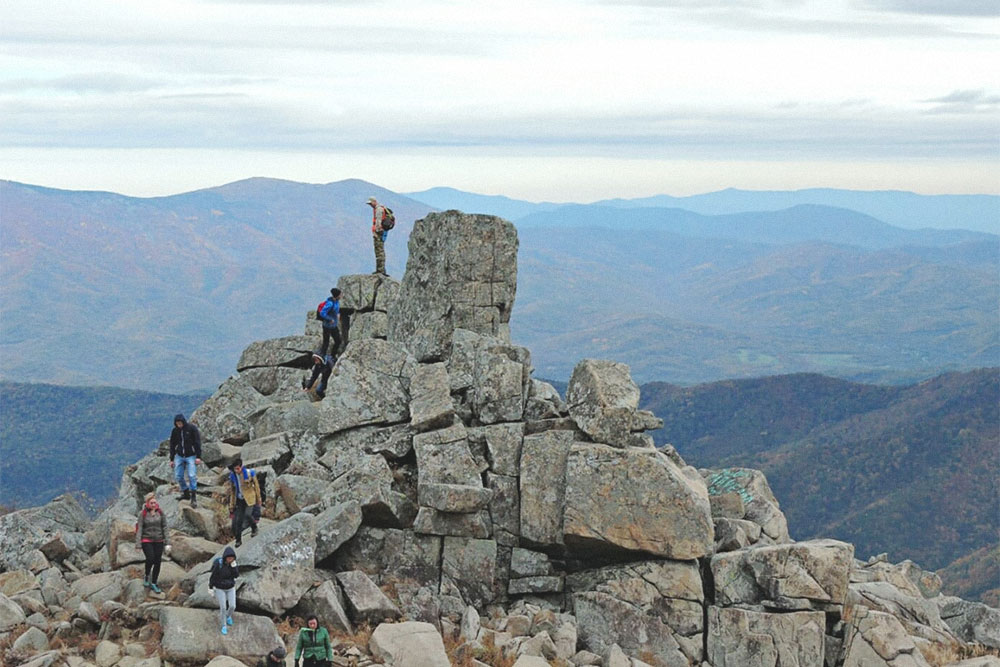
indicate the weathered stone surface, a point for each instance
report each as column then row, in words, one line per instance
column 96, row 588
column 19, row 542
column 327, row 602
column 297, row 415
column 455, row 280
column 634, row 500
column 218, row 453
column 299, row 492
column 369, row 386
column 906, row 576
column 335, row 526
column 604, row 402
column 193, row 635
column 17, row 581
column 535, row 585
column 503, row 446
column 432, row 522
column 543, row 486
column 662, row 599
column 531, row 661
column 277, row 383
column 504, row 508
column 971, row 621
column 430, row 400
column 288, row 544
column 30, row 641
column 274, row 589
column 443, row 457
column 760, row 505
column 187, row 550
column 365, row 602
column 273, row 450
column 803, row 575
column 371, row 324
column 370, row 484
column 744, row 638
column 544, row 402
column 287, row 351
column 409, row 644
column 875, row 639
column 224, row 416
column 11, row 614
column 470, row 565
column 107, row 653
column 359, row 291
column 385, row 554
column 61, row 514
column 526, row 563
column 453, row 497
column 920, row 617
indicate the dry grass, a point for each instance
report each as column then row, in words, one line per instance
column 491, row 654
column 360, row 637
column 152, row 643
column 939, row 655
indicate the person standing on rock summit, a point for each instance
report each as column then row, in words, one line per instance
column 382, row 221
column 244, row 500
column 222, row 584
column 151, row 536
column 185, row 455
column 313, row 647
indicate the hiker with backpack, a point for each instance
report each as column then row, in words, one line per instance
column 322, row 366
column 244, row 500
column 222, row 584
column 329, row 313
column 274, row 658
column 151, row 537
column 382, row 221
column 185, row 455
column 313, row 646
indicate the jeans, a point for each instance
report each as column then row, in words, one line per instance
column 153, row 551
column 182, row 462
column 225, row 598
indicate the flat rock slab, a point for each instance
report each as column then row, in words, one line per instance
column 634, row 500
column 743, row 638
column 365, row 602
column 193, row 635
column 409, row 644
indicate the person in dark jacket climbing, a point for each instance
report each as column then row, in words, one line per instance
column 322, row 365
column 152, row 537
column 185, row 455
column 313, row 647
column 222, row 584
column 244, row 500
column 276, row 658
column 330, row 314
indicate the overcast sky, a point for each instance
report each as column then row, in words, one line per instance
column 546, row 99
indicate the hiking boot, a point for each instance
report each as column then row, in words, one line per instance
column 185, row 495
column 239, row 543
column 254, row 531
column 194, row 500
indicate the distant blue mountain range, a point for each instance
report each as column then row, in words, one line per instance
column 907, row 210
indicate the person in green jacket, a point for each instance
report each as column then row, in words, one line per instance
column 313, row 647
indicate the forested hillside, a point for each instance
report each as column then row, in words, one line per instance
column 55, row 439
column 907, row 470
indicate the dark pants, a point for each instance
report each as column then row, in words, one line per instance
column 153, row 551
column 327, row 335
column 314, row 662
column 320, row 369
column 242, row 519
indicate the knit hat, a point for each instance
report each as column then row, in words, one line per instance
column 371, row 200
column 279, row 652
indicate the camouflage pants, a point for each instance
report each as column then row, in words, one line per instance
column 379, row 251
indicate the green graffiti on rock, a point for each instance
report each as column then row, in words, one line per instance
column 730, row 481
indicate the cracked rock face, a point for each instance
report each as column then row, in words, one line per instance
column 461, row 273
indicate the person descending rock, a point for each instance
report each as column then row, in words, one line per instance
column 151, row 536
column 222, row 584
column 382, row 221
column 244, row 500
column 322, row 366
column 275, row 658
column 330, row 314
column 313, row 647
column 185, row 455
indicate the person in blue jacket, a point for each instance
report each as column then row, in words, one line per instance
column 330, row 314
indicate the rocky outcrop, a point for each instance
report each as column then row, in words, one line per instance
column 446, row 498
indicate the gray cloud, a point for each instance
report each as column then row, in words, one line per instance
column 964, row 101
column 96, row 82
column 981, row 8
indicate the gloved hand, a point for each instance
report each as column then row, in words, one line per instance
column 166, row 549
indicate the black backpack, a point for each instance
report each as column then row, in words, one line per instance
column 388, row 219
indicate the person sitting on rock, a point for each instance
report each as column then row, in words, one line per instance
column 322, row 366
column 330, row 314
column 151, row 536
column 313, row 647
column 222, row 584
column 185, row 455
column 275, row 658
column 379, row 232
column 244, row 494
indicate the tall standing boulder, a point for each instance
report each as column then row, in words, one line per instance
column 461, row 273
column 603, row 400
